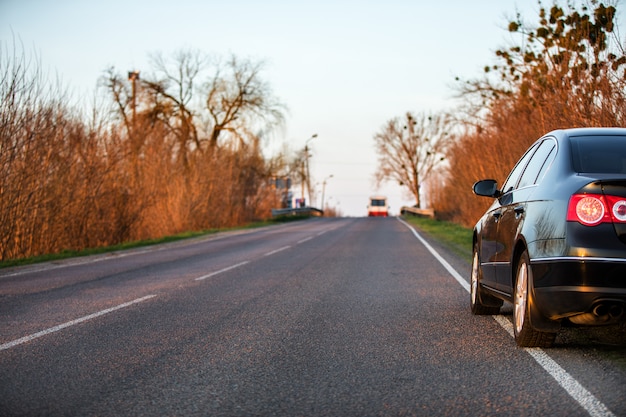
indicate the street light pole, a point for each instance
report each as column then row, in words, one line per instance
column 324, row 190
column 305, row 168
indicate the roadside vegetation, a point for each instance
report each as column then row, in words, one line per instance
column 176, row 150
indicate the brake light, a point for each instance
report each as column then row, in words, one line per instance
column 593, row 209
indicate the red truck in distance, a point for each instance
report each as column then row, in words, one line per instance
column 378, row 207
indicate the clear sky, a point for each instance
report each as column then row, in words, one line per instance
column 343, row 68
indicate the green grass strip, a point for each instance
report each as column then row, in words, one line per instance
column 453, row 236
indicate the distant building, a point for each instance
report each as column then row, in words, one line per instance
column 283, row 188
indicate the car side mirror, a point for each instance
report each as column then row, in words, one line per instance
column 487, row 188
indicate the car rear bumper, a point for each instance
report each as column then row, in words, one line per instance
column 571, row 286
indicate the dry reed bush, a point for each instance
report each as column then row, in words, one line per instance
column 131, row 172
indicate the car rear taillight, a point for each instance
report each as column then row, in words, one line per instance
column 593, row 209
column 618, row 208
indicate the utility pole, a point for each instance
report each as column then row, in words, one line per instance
column 133, row 76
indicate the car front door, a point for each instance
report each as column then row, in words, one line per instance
column 488, row 244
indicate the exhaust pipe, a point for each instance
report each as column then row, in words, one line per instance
column 616, row 310
column 613, row 310
column 601, row 310
column 604, row 312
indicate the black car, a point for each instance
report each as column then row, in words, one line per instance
column 553, row 242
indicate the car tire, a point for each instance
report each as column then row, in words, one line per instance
column 481, row 303
column 525, row 335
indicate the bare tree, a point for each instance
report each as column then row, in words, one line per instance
column 567, row 70
column 410, row 148
column 172, row 94
column 238, row 100
column 202, row 100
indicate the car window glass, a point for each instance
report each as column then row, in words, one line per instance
column 546, row 164
column 536, row 163
column 511, row 181
column 599, row 154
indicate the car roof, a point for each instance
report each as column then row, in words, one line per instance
column 589, row 131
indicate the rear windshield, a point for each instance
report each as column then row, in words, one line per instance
column 378, row 203
column 599, row 154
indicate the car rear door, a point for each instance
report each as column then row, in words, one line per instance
column 515, row 204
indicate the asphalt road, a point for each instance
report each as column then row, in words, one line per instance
column 325, row 317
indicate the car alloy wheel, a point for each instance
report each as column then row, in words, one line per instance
column 474, row 281
column 521, row 297
column 477, row 297
column 525, row 334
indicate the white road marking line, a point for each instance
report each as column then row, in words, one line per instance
column 25, row 339
column 442, row 261
column 222, row 270
column 587, row 400
column 579, row 393
column 72, row 323
column 245, row 262
column 277, row 250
